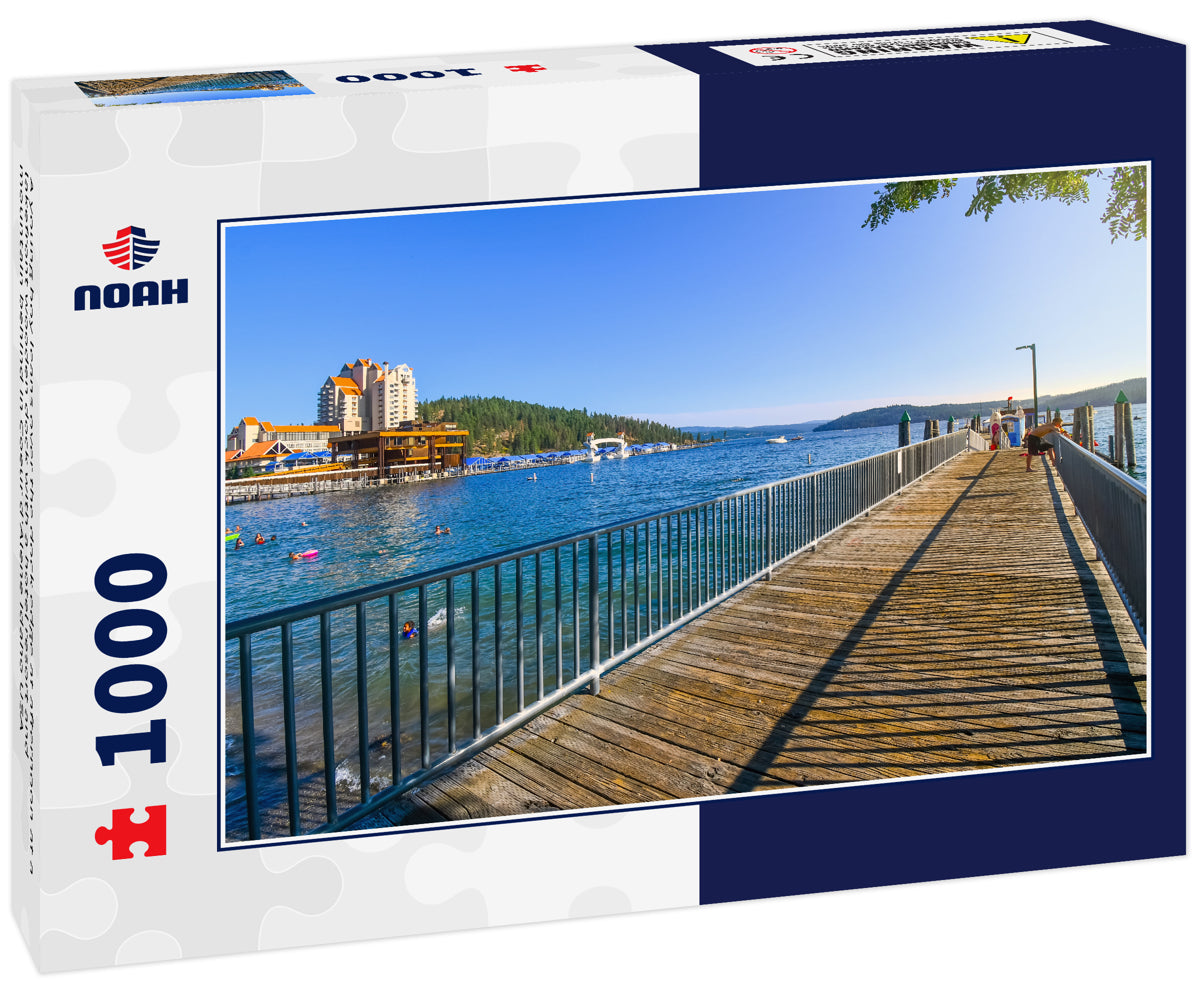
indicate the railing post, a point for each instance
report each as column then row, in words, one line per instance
column 770, row 530
column 594, row 608
column 248, row 755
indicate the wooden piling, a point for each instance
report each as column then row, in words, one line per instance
column 937, row 427
column 1123, row 426
column 1117, row 453
column 905, row 431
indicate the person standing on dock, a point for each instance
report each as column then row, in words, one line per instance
column 1038, row 441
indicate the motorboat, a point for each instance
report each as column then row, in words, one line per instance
column 781, row 440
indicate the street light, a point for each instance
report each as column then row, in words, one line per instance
column 1032, row 348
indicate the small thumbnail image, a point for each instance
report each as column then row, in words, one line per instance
column 195, row 87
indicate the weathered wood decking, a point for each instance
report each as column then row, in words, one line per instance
column 964, row 624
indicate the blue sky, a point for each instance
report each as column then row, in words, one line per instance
column 740, row 308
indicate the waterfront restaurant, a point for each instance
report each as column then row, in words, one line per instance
column 413, row 446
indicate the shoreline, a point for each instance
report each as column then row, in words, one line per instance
column 276, row 486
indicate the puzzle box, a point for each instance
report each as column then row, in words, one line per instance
column 678, row 658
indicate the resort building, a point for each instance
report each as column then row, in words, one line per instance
column 256, row 459
column 415, row 446
column 367, row 396
column 296, row 437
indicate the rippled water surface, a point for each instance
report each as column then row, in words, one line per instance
column 364, row 537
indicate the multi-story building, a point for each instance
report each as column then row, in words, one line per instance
column 295, row 437
column 367, row 396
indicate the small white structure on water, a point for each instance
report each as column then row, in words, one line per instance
column 592, row 442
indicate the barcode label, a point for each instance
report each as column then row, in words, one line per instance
column 898, row 46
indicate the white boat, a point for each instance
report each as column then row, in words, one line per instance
column 781, row 440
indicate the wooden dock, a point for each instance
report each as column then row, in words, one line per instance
column 966, row 623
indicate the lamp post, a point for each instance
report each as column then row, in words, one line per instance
column 1033, row 348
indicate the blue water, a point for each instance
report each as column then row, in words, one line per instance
column 364, row 537
column 178, row 97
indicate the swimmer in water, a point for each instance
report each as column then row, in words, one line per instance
column 437, row 530
column 258, row 539
column 239, row 544
column 293, row 556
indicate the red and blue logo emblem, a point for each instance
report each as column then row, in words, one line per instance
column 131, row 249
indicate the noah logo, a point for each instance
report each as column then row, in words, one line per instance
column 131, row 250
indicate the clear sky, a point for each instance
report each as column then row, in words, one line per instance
column 740, row 308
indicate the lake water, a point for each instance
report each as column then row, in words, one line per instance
column 364, row 537
column 368, row 536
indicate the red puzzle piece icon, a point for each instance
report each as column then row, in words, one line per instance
column 124, row 832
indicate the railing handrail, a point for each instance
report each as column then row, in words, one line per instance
column 1118, row 476
column 1113, row 508
column 692, row 557
column 306, row 610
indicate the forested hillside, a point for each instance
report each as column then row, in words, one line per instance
column 1134, row 389
column 499, row 426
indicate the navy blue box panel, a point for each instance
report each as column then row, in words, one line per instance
column 943, row 114
column 936, row 829
column 700, row 57
column 940, row 116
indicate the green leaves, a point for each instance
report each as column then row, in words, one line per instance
column 906, row 196
column 1125, row 213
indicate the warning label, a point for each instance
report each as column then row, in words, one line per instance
column 791, row 53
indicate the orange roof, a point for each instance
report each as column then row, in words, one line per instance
column 346, row 385
column 249, row 420
column 232, row 454
column 267, row 426
column 307, row 427
column 260, row 449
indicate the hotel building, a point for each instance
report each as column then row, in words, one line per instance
column 367, row 396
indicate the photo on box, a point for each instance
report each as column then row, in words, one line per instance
column 517, row 524
column 196, row 87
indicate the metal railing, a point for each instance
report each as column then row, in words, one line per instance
column 308, row 686
column 1113, row 508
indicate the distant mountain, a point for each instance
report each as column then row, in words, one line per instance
column 757, row 431
column 875, row 417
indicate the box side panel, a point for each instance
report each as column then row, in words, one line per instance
column 25, row 806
